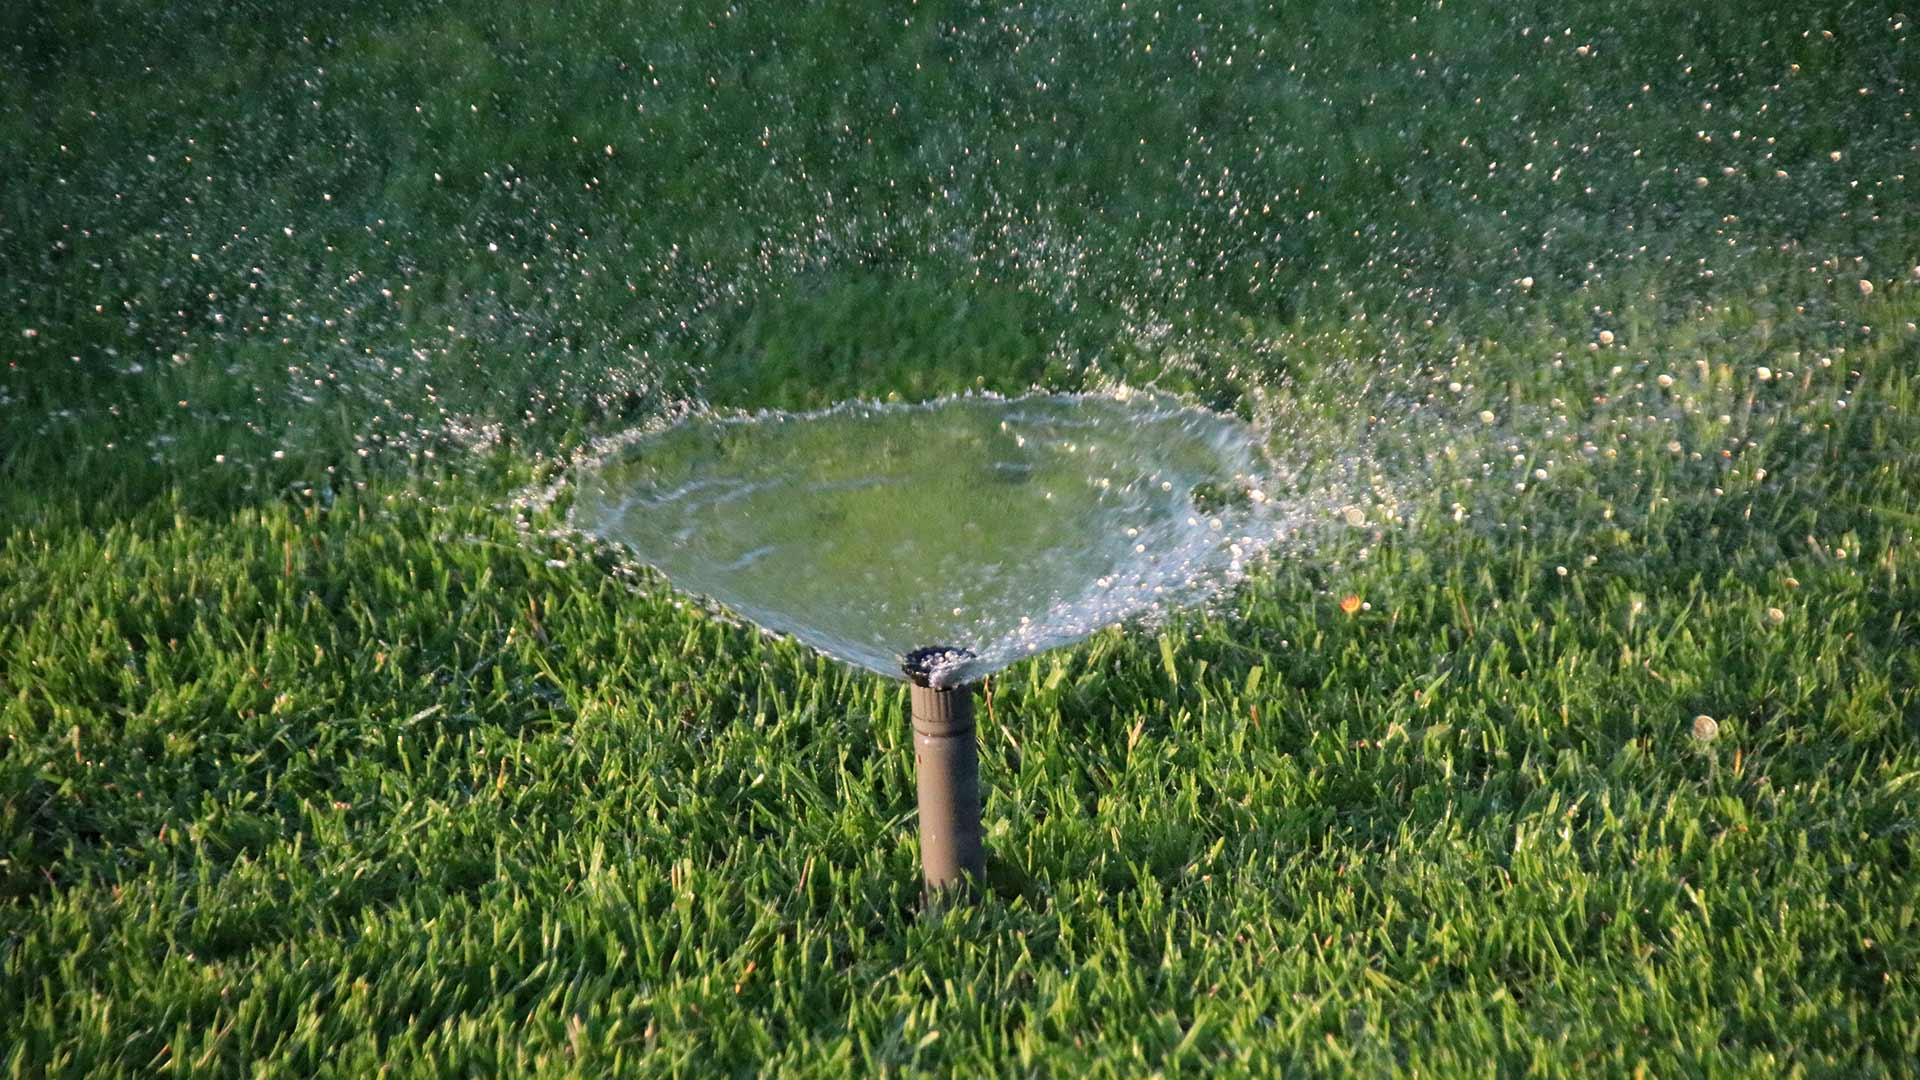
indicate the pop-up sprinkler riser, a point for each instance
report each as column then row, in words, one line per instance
column 947, row 773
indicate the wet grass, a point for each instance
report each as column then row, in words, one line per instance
column 321, row 757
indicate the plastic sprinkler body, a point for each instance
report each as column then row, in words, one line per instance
column 947, row 771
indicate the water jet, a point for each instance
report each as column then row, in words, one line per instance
column 995, row 527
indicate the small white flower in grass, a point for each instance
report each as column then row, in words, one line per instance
column 1527, row 282
column 1763, row 373
column 1665, row 380
column 1775, row 616
column 1606, row 337
column 1866, row 287
column 1561, row 570
column 29, row 333
column 1355, row 516
column 1705, row 728
column 1486, row 416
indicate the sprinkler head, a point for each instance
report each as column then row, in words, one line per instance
column 922, row 666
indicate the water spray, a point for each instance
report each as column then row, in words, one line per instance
column 947, row 772
column 1036, row 521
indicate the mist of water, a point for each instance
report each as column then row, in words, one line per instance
column 1462, row 263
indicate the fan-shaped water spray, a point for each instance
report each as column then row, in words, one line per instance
column 996, row 527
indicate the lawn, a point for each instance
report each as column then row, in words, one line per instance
column 1576, row 729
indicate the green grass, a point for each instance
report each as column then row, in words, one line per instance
column 323, row 752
